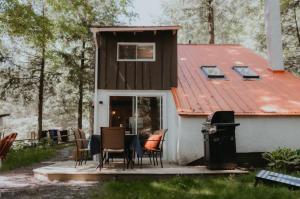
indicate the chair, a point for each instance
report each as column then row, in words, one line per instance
column 81, row 147
column 112, row 141
column 5, row 145
column 154, row 146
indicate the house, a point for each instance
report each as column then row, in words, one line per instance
column 145, row 81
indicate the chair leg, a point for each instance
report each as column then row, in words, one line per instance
column 153, row 158
column 160, row 157
column 86, row 156
column 124, row 160
column 83, row 157
column 149, row 153
column 80, row 160
column 156, row 158
column 76, row 158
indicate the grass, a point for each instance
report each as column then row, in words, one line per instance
column 239, row 187
column 26, row 157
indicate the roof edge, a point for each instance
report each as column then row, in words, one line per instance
column 96, row 28
column 187, row 44
column 199, row 114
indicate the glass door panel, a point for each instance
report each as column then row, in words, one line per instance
column 121, row 112
column 149, row 114
column 136, row 114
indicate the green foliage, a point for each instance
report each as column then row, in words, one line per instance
column 239, row 187
column 284, row 159
column 230, row 18
column 61, row 30
column 22, row 20
column 21, row 157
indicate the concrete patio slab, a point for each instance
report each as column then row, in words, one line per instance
column 65, row 171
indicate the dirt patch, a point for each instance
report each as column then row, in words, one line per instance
column 20, row 183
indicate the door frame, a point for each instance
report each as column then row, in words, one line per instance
column 104, row 104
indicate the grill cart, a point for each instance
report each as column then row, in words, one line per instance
column 219, row 140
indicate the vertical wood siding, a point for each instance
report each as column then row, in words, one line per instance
column 158, row 75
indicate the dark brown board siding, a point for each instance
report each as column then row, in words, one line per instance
column 158, row 75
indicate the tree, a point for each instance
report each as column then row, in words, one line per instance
column 207, row 21
column 28, row 20
column 290, row 12
column 290, row 17
column 74, row 19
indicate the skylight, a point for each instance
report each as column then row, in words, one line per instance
column 245, row 72
column 213, row 72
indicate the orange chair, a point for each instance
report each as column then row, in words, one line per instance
column 5, row 145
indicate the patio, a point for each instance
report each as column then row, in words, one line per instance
column 65, row 171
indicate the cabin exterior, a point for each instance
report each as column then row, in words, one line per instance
column 145, row 81
column 137, row 58
column 136, row 68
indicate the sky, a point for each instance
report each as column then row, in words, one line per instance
column 147, row 10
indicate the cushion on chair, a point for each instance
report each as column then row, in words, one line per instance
column 152, row 142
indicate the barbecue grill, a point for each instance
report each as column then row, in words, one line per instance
column 219, row 140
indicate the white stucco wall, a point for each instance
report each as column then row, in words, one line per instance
column 255, row 134
column 170, row 152
column 184, row 140
column 260, row 134
column 190, row 141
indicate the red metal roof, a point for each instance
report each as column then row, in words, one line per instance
column 273, row 94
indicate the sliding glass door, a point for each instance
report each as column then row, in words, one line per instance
column 136, row 113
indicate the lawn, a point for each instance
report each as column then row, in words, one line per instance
column 239, row 187
column 27, row 157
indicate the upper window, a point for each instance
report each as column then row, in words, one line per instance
column 245, row 72
column 213, row 72
column 129, row 51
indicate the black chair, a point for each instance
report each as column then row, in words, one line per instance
column 154, row 147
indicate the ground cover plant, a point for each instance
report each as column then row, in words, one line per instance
column 230, row 187
column 283, row 159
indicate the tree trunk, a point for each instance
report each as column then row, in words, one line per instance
column 211, row 22
column 41, row 94
column 80, row 75
column 296, row 22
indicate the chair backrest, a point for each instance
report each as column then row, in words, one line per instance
column 163, row 135
column 78, row 141
column 83, row 138
column 113, row 138
column 156, row 140
column 6, row 144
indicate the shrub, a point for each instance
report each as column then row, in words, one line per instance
column 284, row 159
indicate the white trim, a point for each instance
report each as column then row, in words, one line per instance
column 137, row 44
column 96, row 101
column 103, row 95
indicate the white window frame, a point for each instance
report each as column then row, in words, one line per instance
column 137, row 44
